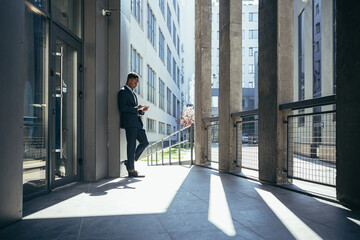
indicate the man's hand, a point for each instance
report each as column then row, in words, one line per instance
column 145, row 108
column 139, row 107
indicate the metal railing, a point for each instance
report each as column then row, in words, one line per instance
column 176, row 148
column 247, row 147
column 311, row 140
column 212, row 139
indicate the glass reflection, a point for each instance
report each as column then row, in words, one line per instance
column 66, row 111
column 35, row 102
column 68, row 13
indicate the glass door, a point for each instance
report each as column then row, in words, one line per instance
column 66, row 89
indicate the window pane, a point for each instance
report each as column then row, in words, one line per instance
column 68, row 13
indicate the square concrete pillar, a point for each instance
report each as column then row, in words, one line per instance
column 12, row 68
column 230, row 84
column 202, row 77
column 348, row 101
column 113, row 88
column 275, row 86
column 96, row 43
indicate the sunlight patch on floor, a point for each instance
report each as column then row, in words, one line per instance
column 122, row 196
column 294, row 224
column 354, row 220
column 219, row 212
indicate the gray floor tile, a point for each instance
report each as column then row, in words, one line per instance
column 174, row 206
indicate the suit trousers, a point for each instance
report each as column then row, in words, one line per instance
column 133, row 152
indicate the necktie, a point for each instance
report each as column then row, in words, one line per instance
column 136, row 101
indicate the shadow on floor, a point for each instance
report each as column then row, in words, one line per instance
column 174, row 202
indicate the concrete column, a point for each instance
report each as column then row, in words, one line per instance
column 113, row 88
column 11, row 109
column 230, row 84
column 275, row 86
column 348, row 101
column 95, row 90
column 202, row 76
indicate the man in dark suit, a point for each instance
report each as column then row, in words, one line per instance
column 130, row 120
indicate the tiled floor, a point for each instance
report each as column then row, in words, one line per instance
column 179, row 202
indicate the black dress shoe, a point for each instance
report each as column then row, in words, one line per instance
column 135, row 174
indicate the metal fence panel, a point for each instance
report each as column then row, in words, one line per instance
column 312, row 147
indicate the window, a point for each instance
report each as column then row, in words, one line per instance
column 243, row 34
column 168, row 129
column 178, row 46
column 243, row 51
column 252, row 50
column 178, row 77
column 174, row 34
column 251, row 68
column 161, row 94
column 168, row 59
column 243, row 68
column 151, row 125
column 253, row 34
column 161, row 127
column 168, row 18
column 217, row 35
column 150, row 85
column 174, row 106
column 217, row 53
column 168, row 98
column 215, row 101
column 253, row 17
column 251, row 84
column 136, row 66
column 136, row 8
column 162, row 6
column 178, row 14
column 174, row 70
column 151, row 22
column 178, row 108
column 161, row 46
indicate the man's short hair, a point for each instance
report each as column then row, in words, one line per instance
column 132, row 75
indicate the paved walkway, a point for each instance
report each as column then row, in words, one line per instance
column 179, row 202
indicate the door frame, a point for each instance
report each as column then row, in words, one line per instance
column 57, row 31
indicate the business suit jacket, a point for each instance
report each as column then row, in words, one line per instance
column 129, row 115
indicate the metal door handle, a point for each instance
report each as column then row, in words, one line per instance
column 60, row 74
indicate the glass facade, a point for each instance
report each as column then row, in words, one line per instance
column 51, row 82
column 35, row 163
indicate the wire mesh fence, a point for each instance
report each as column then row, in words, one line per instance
column 312, row 147
column 247, row 143
column 212, row 155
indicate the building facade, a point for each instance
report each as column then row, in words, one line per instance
column 249, row 48
column 154, row 48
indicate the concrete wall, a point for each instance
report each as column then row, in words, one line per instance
column 11, row 109
column 95, row 90
column 113, row 87
column 348, row 101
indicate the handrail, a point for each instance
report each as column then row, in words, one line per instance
column 211, row 119
column 170, row 135
column 168, row 138
column 321, row 101
column 246, row 113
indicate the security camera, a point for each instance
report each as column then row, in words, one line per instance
column 106, row 12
